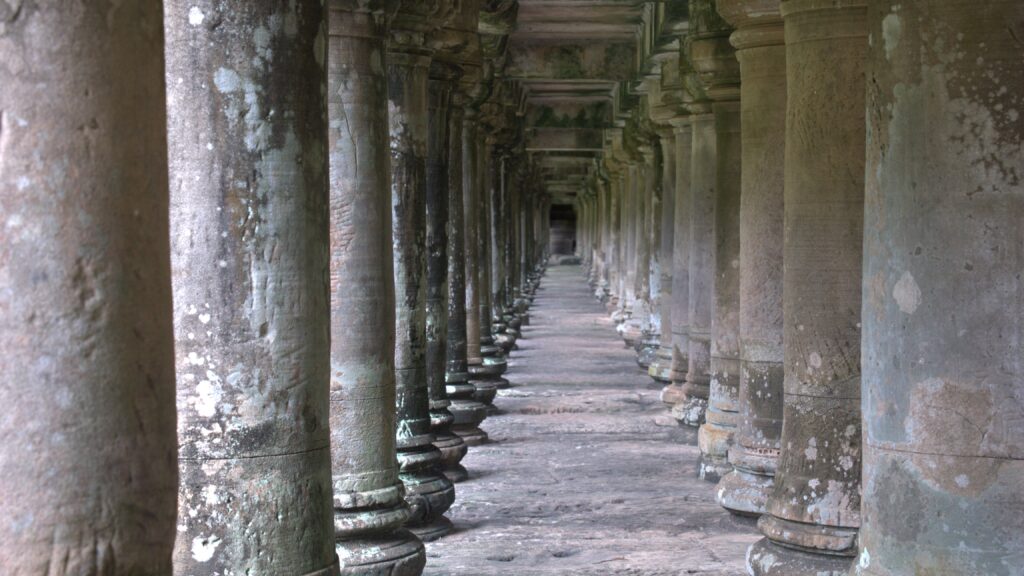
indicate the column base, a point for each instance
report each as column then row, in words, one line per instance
column 372, row 511
column 441, row 526
column 690, row 411
column 744, row 493
column 397, row 554
column 486, row 390
column 455, row 472
column 672, row 394
column 714, row 439
column 471, row 435
column 468, row 412
column 660, row 369
column 453, row 450
column 646, row 354
column 766, row 558
column 429, row 494
column 631, row 332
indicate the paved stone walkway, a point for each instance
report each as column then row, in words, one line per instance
column 585, row 473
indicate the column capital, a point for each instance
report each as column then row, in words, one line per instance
column 757, row 22
column 414, row 23
column 709, row 51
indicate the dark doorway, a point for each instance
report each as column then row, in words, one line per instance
column 563, row 229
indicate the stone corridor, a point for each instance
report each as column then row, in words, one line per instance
column 585, row 472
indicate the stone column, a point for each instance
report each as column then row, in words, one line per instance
column 468, row 412
column 672, row 394
column 429, row 492
column 814, row 507
column 943, row 396
column 690, row 409
column 661, row 366
column 442, row 79
column 88, row 469
column 369, row 503
column 249, row 238
column 762, row 55
column 715, row 62
column 486, row 376
column 648, row 274
column 484, row 391
column 616, row 301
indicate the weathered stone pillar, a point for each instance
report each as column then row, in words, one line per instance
column 715, row 62
column 442, row 80
column 429, row 492
column 484, row 390
column 369, row 503
column 468, row 412
column 762, row 55
column 648, row 275
column 88, row 469
column 661, row 366
column 814, row 508
column 690, row 409
column 249, row 233
column 486, row 376
column 672, row 393
column 943, row 396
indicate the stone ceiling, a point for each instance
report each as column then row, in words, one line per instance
column 580, row 65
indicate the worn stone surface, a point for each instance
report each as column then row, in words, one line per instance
column 942, row 309
column 249, row 222
column 428, row 491
column 690, row 409
column 88, row 469
column 369, row 504
column 680, row 294
column 815, row 503
column 762, row 56
column 585, row 473
column 661, row 367
column 441, row 84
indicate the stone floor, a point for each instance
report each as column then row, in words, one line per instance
column 585, row 473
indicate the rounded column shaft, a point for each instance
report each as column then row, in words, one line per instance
column 88, row 469
column 814, row 508
column 673, row 392
column 440, row 85
column 943, row 248
column 369, row 504
column 762, row 55
column 467, row 411
column 661, row 367
column 428, row 491
column 249, row 233
column 690, row 409
column 714, row 61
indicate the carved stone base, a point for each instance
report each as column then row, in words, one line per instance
column 744, row 493
column 472, row 436
column 632, row 332
column 399, row 553
column 766, row 558
column 660, row 369
column 455, row 472
column 690, row 411
column 453, row 450
column 672, row 394
column 713, row 439
column 647, row 350
column 434, row 530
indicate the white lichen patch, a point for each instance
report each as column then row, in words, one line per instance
column 907, row 293
column 891, row 30
column 203, row 548
column 196, row 16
